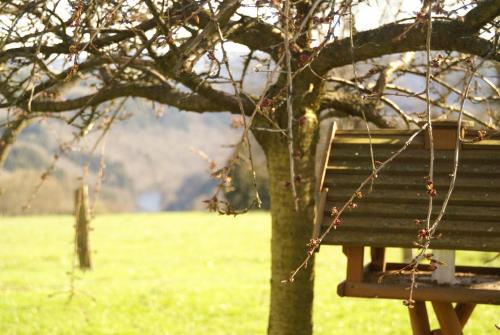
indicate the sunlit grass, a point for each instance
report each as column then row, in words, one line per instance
column 175, row 273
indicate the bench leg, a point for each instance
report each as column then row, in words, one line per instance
column 447, row 318
column 464, row 311
column 419, row 319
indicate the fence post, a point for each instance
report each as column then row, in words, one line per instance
column 82, row 215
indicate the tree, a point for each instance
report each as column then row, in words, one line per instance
column 151, row 50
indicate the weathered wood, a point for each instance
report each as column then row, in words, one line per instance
column 319, row 213
column 417, row 211
column 458, row 200
column 326, row 156
column 443, row 294
column 376, row 133
column 420, row 196
column 444, row 135
column 377, row 223
column 419, row 319
column 385, row 138
column 82, row 215
column 405, row 240
column 396, row 182
column 482, row 145
column 377, row 259
column 464, row 311
column 442, row 168
column 475, row 270
column 447, row 318
column 361, row 153
column 474, row 285
column 378, row 141
column 355, row 260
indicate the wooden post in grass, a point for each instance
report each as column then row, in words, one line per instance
column 82, row 215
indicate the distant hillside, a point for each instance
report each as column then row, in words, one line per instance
column 151, row 161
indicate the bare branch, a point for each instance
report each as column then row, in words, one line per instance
column 485, row 11
column 398, row 38
column 350, row 104
column 161, row 93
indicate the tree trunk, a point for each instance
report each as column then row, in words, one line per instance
column 291, row 303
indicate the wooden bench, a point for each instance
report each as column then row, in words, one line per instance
column 385, row 217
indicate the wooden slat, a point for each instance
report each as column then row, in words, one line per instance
column 326, row 157
column 362, row 153
column 418, row 196
column 418, row 211
column 416, row 192
column 420, row 162
column 448, row 241
column 375, row 133
column 380, row 223
column 446, row 294
column 319, row 213
column 409, row 173
column 475, row 270
column 437, row 293
column 440, row 168
column 390, row 182
column 380, row 137
column 396, row 141
column 483, row 145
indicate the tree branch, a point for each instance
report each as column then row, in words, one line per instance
column 484, row 12
column 351, row 104
column 179, row 13
column 256, row 35
column 406, row 118
column 164, row 94
column 398, row 38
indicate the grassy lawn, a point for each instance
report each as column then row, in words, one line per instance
column 174, row 273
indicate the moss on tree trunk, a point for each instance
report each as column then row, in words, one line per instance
column 291, row 303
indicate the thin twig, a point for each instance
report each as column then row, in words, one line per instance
column 238, row 94
column 353, row 59
column 429, row 111
column 289, row 106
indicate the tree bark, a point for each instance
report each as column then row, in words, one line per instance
column 292, row 303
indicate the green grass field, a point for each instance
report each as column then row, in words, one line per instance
column 175, row 273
